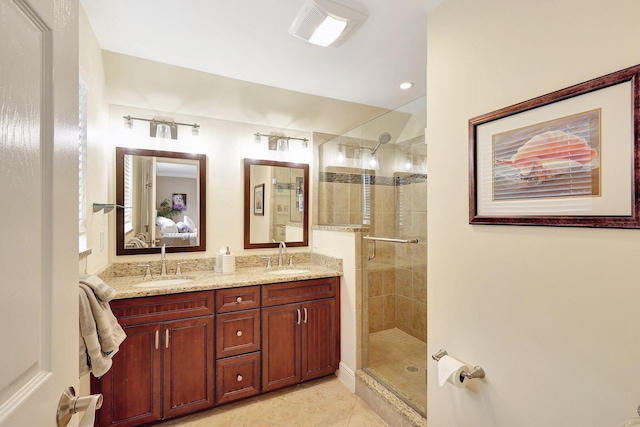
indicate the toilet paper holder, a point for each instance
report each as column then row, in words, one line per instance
column 476, row 372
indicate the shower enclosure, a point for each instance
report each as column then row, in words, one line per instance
column 375, row 176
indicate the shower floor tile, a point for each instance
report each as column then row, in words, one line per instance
column 400, row 361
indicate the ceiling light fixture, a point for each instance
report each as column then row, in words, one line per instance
column 406, row 85
column 326, row 23
column 159, row 128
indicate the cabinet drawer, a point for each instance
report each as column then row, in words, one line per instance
column 304, row 290
column 235, row 299
column 135, row 311
column 237, row 333
column 237, row 377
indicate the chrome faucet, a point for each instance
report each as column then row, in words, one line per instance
column 281, row 247
column 163, row 259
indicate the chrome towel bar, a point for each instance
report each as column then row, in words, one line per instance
column 385, row 239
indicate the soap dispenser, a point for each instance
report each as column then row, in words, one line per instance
column 228, row 262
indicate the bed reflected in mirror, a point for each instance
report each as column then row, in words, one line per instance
column 164, row 194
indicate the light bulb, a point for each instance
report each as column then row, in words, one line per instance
column 373, row 162
column 407, row 163
column 163, row 131
column 128, row 123
column 340, row 158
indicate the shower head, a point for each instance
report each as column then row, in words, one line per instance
column 383, row 138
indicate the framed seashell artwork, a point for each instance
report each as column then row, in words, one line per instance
column 569, row 158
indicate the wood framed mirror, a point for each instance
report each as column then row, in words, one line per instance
column 276, row 200
column 164, row 198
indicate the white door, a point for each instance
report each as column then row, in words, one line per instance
column 38, row 207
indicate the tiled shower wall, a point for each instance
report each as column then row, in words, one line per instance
column 396, row 286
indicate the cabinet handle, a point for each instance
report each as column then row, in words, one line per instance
column 299, row 316
column 239, row 333
column 166, row 338
column 306, row 315
column 239, row 299
column 157, row 338
column 239, row 378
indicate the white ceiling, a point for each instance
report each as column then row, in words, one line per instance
column 249, row 40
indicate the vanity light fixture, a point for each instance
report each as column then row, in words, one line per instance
column 164, row 130
column 373, row 162
column 326, row 23
column 340, row 158
column 408, row 163
column 279, row 141
column 128, row 123
column 159, row 128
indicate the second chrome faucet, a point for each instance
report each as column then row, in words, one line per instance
column 282, row 248
column 163, row 259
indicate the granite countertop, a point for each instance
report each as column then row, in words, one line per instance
column 208, row 279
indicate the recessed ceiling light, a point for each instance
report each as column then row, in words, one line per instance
column 406, row 85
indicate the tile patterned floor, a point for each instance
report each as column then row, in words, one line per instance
column 325, row 402
column 400, row 361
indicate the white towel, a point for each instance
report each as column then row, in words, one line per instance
column 100, row 333
column 102, row 290
column 134, row 242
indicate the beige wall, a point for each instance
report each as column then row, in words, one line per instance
column 92, row 73
column 551, row 314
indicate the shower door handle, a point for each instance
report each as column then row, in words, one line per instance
column 389, row 239
column 385, row 239
column 373, row 255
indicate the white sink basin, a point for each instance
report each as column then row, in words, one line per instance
column 163, row 282
column 289, row 271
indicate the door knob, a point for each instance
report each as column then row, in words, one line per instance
column 70, row 404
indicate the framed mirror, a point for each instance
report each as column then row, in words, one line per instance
column 164, row 199
column 276, row 200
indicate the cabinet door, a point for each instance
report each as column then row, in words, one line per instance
column 131, row 388
column 188, row 365
column 319, row 338
column 280, row 346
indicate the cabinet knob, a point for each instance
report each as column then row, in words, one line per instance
column 239, row 333
column 239, row 299
column 239, row 378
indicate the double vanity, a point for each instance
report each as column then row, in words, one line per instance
column 205, row 339
column 198, row 339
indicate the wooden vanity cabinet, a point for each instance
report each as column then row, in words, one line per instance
column 300, row 331
column 165, row 366
column 266, row 337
